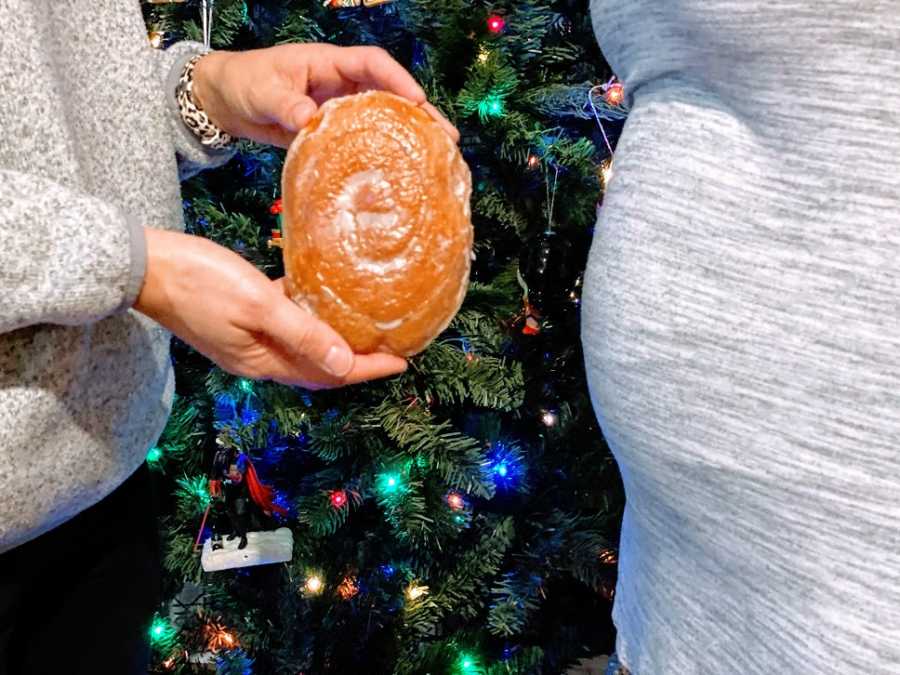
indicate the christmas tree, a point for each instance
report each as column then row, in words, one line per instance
column 460, row 518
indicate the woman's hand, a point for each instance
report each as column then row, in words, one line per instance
column 268, row 95
column 231, row 312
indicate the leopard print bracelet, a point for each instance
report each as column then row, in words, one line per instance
column 193, row 115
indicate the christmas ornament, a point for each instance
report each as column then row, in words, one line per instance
column 348, row 588
column 545, row 274
column 240, row 502
column 377, row 222
column 340, row 4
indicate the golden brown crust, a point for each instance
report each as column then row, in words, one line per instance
column 377, row 222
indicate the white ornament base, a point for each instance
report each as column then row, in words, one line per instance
column 263, row 548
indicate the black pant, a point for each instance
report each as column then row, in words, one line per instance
column 80, row 598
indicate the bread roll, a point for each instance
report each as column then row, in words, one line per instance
column 377, row 223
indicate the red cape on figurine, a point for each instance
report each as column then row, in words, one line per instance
column 260, row 493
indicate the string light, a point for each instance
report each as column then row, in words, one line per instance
column 245, row 385
column 549, row 417
column 390, row 484
column 414, row 591
column 605, row 172
column 154, row 455
column 608, row 556
column 484, row 54
column 456, row 502
column 156, row 38
column 314, row 584
column 161, row 631
column 348, row 588
column 496, row 24
column 505, row 466
column 615, row 94
column 197, row 487
column 533, row 161
column 219, row 637
column 338, row 499
column 491, row 106
column 467, row 663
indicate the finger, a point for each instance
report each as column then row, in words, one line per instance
column 375, row 366
column 307, row 339
column 290, row 110
column 443, row 121
column 374, row 68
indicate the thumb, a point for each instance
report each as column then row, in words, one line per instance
column 308, row 339
column 294, row 111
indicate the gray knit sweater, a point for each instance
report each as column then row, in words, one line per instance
column 90, row 129
column 742, row 333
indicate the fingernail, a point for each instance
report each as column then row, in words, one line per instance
column 303, row 112
column 338, row 361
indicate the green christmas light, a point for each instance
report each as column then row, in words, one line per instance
column 161, row 632
column 198, row 487
column 390, row 484
column 154, row 455
column 245, row 385
column 467, row 663
column 491, row 105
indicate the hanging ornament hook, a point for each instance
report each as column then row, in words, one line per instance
column 207, row 9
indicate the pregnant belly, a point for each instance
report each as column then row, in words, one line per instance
column 741, row 303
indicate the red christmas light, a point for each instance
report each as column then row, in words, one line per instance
column 348, row 588
column 456, row 502
column 615, row 94
column 496, row 24
column 338, row 499
column 276, row 207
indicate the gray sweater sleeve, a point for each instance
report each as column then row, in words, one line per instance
column 70, row 258
column 193, row 156
column 67, row 257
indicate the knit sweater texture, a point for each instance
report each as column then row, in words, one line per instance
column 90, row 132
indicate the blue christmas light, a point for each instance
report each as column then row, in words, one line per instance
column 388, row 571
column 225, row 408
column 249, row 414
column 505, row 466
